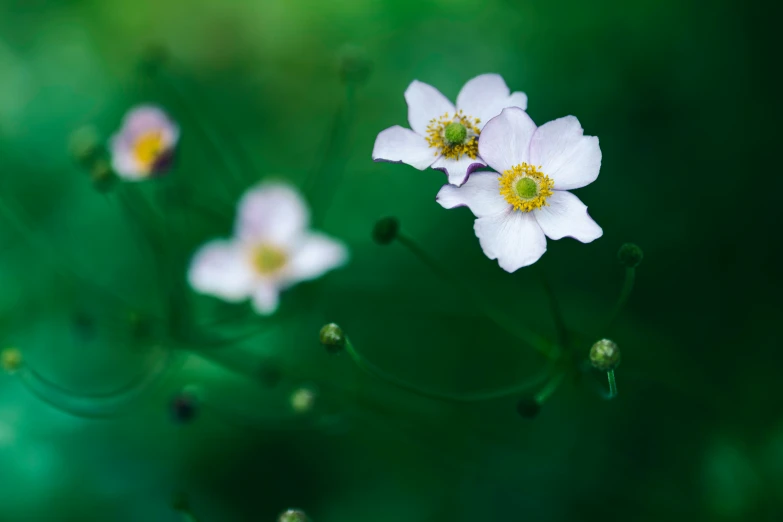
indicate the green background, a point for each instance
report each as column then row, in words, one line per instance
column 685, row 100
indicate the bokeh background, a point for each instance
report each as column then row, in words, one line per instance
column 684, row 96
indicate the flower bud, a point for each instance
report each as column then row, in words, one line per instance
column 385, row 230
column 293, row 515
column 605, row 355
column 528, row 408
column 332, row 338
column 102, row 175
column 11, row 359
column 303, row 400
column 355, row 65
column 85, row 145
column 630, row 255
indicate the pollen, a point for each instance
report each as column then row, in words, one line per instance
column 148, row 149
column 268, row 259
column 525, row 187
column 454, row 136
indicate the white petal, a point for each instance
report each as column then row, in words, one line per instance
column 481, row 194
column 425, row 103
column 485, row 96
column 221, row 268
column 505, row 140
column 266, row 298
column 512, row 237
column 397, row 144
column 123, row 163
column 565, row 155
column 566, row 215
column 271, row 212
column 317, row 254
column 458, row 170
column 518, row 99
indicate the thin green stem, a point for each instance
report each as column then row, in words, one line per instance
column 612, row 385
column 210, row 136
column 557, row 313
column 551, row 386
column 478, row 396
column 625, row 293
column 498, row 317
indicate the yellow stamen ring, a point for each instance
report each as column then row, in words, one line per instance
column 268, row 259
column 148, row 149
column 442, row 131
column 525, row 187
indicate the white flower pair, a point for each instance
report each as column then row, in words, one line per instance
column 272, row 248
column 526, row 199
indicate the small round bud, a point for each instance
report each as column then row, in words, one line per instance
column 630, row 255
column 455, row 132
column 528, row 408
column 85, row 144
column 11, row 359
column 605, row 355
column 102, row 175
column 332, row 338
column 385, row 230
column 293, row 515
column 303, row 400
column 355, row 65
column 184, row 407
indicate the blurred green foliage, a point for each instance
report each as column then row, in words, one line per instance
column 684, row 98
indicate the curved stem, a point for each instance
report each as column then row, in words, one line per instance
column 375, row 371
column 625, row 293
column 557, row 314
column 551, row 386
column 499, row 318
column 612, row 385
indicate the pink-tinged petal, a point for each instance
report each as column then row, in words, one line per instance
column 505, row 140
column 397, row 144
column 140, row 120
column 566, row 215
column 571, row 159
column 221, row 268
column 425, row 103
column 485, row 96
column 124, row 163
column 458, row 170
column 317, row 254
column 481, row 194
column 512, row 237
column 272, row 212
column 266, row 298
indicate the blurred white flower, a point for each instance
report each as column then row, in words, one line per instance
column 144, row 145
column 445, row 137
column 272, row 250
column 518, row 209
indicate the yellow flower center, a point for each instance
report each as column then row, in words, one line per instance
column 148, row 149
column 268, row 259
column 454, row 136
column 525, row 187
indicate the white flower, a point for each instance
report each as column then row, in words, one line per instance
column 272, row 250
column 445, row 137
column 517, row 209
column 144, row 145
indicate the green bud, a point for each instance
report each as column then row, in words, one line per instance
column 455, row 132
column 332, row 337
column 528, row 408
column 85, row 145
column 605, row 355
column 630, row 255
column 293, row 515
column 11, row 359
column 102, row 176
column 385, row 230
